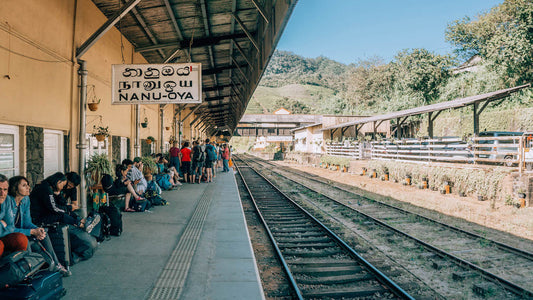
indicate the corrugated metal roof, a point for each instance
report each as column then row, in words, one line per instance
column 233, row 39
column 434, row 107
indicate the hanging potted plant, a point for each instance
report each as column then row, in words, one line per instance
column 93, row 106
column 167, row 128
column 145, row 123
column 100, row 132
column 150, row 139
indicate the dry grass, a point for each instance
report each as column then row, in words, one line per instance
column 503, row 217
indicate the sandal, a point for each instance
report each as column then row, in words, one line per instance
column 129, row 210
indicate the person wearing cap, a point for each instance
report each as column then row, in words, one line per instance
column 135, row 175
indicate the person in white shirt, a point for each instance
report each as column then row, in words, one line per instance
column 136, row 176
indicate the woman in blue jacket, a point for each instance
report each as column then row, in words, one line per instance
column 9, row 241
column 18, row 218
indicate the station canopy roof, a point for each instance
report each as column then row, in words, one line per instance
column 457, row 103
column 233, row 39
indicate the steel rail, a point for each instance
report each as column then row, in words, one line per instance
column 394, row 288
column 521, row 291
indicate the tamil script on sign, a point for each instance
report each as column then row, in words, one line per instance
column 156, row 83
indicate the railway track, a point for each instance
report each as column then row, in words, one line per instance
column 489, row 265
column 318, row 263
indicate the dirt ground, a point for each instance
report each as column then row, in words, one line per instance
column 503, row 217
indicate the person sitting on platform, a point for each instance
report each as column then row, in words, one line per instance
column 169, row 174
column 122, row 185
column 9, row 241
column 135, row 175
column 69, row 199
column 18, row 217
column 45, row 199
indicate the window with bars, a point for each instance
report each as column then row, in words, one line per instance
column 9, row 148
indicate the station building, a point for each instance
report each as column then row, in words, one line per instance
column 56, row 56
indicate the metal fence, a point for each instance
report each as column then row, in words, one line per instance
column 503, row 150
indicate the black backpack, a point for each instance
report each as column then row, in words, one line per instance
column 107, row 182
column 115, row 219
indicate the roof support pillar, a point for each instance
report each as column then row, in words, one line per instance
column 375, row 133
column 476, row 118
column 162, row 127
column 82, row 139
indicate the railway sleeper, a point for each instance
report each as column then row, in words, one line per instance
column 351, row 292
column 327, row 270
column 307, row 245
column 312, row 252
column 315, row 239
column 485, row 288
column 305, row 224
column 460, row 276
column 299, row 230
column 333, row 279
column 301, row 234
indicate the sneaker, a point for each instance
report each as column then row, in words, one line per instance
column 64, row 271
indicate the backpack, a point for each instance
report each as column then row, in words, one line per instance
column 107, row 182
column 115, row 219
column 19, row 265
column 140, row 205
column 163, row 181
column 98, row 225
column 200, row 157
column 211, row 154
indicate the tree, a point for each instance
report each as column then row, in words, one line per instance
column 420, row 71
column 503, row 37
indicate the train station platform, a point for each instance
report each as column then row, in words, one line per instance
column 197, row 247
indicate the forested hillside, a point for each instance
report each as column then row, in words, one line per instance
column 503, row 37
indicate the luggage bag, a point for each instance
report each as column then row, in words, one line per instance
column 44, row 285
column 59, row 236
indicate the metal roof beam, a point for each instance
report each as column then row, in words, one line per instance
column 242, row 54
column 197, row 42
column 178, row 31
column 248, row 34
column 218, row 70
column 104, row 28
column 260, row 10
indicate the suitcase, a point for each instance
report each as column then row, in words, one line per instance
column 44, row 285
column 59, row 236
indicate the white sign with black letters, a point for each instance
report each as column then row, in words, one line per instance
column 156, row 83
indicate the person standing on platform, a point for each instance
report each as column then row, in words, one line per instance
column 174, row 156
column 185, row 157
column 225, row 158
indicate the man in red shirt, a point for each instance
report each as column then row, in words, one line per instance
column 185, row 157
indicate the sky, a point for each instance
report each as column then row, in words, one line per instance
column 351, row 30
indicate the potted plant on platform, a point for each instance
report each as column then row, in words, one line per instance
column 100, row 132
column 150, row 139
column 97, row 166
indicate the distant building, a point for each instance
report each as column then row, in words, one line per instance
column 282, row 111
column 471, row 65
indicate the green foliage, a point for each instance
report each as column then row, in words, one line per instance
column 151, row 138
column 472, row 182
column 335, row 160
column 242, row 144
column 99, row 164
column 149, row 165
column 503, row 36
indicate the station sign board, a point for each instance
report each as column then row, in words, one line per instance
column 156, row 83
